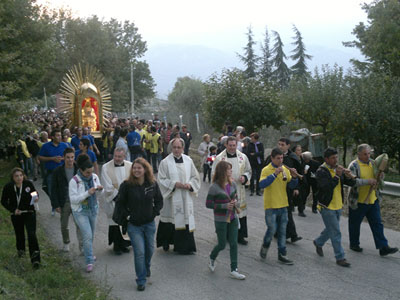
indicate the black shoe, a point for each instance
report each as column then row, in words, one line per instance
column 263, row 251
column 165, row 247
column 318, row 249
column 21, row 253
column 148, row 273
column 302, row 214
column 242, row 241
column 343, row 263
column 141, row 287
column 356, row 248
column 296, row 239
column 259, row 194
column 387, row 250
column 283, row 259
column 125, row 250
column 315, row 211
column 251, row 194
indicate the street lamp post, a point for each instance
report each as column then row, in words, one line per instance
column 132, row 93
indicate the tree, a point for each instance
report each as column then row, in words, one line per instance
column 299, row 69
column 249, row 58
column 25, row 53
column 317, row 102
column 233, row 97
column 266, row 64
column 25, row 50
column 281, row 74
column 187, row 99
column 379, row 40
column 111, row 46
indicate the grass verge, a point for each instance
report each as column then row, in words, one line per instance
column 56, row 278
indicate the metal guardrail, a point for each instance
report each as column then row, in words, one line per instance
column 391, row 189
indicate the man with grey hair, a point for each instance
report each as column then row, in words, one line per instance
column 113, row 174
column 179, row 182
column 362, row 203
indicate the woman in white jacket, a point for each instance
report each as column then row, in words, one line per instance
column 83, row 190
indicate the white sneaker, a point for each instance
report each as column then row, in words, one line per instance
column 211, row 265
column 66, row 248
column 235, row 274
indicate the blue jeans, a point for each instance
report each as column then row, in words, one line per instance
column 86, row 221
column 142, row 239
column 331, row 220
column 373, row 214
column 276, row 219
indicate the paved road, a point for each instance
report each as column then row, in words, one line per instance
column 187, row 277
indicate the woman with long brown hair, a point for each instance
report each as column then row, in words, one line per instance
column 222, row 198
column 140, row 200
column 18, row 197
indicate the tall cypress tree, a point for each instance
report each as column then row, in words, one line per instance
column 299, row 69
column 249, row 58
column 281, row 74
column 266, row 63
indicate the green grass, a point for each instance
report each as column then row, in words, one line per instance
column 56, row 278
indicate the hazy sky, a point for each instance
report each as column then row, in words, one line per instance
column 222, row 23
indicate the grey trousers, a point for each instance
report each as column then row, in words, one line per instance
column 64, row 220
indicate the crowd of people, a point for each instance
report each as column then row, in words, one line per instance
column 140, row 169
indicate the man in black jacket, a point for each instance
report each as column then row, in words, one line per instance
column 60, row 195
column 330, row 179
column 255, row 153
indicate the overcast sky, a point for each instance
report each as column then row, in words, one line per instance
column 222, row 23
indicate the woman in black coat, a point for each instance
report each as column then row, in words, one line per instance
column 140, row 201
column 18, row 198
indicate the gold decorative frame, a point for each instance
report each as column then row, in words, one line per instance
column 80, row 86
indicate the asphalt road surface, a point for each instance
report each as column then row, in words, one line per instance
column 187, row 277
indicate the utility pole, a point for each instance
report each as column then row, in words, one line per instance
column 45, row 98
column 132, row 93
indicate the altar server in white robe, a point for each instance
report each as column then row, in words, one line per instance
column 241, row 174
column 113, row 173
column 179, row 183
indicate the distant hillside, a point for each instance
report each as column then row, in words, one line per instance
column 168, row 62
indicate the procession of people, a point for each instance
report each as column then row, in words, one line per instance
column 141, row 174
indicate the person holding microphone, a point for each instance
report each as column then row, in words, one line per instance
column 222, row 198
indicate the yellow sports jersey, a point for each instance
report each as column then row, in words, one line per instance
column 366, row 172
column 337, row 201
column 154, row 143
column 275, row 195
column 147, row 136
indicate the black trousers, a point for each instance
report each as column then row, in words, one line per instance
column 28, row 221
column 291, row 227
column 115, row 237
column 207, row 172
column 242, row 233
column 255, row 176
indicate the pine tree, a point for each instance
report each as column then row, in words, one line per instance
column 281, row 74
column 299, row 69
column 249, row 58
column 266, row 63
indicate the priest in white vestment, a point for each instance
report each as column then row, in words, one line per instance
column 179, row 182
column 241, row 174
column 113, row 174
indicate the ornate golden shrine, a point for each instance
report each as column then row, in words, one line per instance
column 86, row 98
